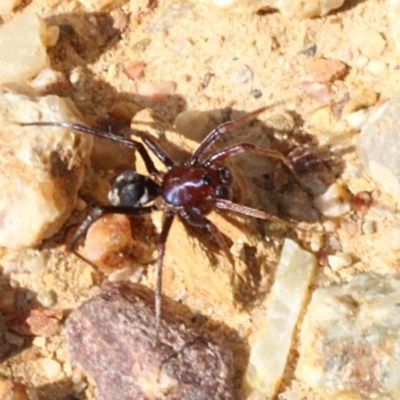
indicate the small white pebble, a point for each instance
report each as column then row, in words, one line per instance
column 75, row 76
column 76, row 377
column 39, row 341
column 47, row 299
column 333, row 202
column 67, row 368
column 376, row 67
column 339, row 260
column 356, row 119
column 316, row 242
column 368, row 227
column 122, row 274
column 241, row 75
column 51, row 367
column 80, row 387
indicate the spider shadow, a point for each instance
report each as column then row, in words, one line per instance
column 15, row 302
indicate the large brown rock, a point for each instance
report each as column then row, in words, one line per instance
column 112, row 338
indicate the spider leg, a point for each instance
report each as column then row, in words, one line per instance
column 155, row 148
column 252, row 212
column 242, row 147
column 169, row 217
column 225, row 127
column 199, row 220
column 97, row 212
column 152, row 170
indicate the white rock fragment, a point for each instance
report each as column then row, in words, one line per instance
column 333, row 203
column 350, row 346
column 6, row 6
column 41, row 168
column 270, row 350
column 339, row 260
column 98, row 5
column 51, row 367
column 378, row 147
column 20, row 58
column 289, row 8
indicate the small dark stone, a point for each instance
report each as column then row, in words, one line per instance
column 256, row 93
column 310, row 51
column 112, row 338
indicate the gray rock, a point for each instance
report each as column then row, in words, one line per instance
column 350, row 346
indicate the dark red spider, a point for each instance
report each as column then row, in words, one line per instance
column 191, row 190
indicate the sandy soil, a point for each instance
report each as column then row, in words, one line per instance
column 207, row 53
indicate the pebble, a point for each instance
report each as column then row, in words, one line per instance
column 108, row 243
column 322, row 70
column 361, row 99
column 289, row 8
column 47, row 299
column 241, row 75
column 321, row 92
column 334, row 202
column 134, row 70
column 349, row 339
column 98, row 5
column 378, row 150
column 42, row 169
column 339, row 260
column 22, row 59
column 51, row 367
column 14, row 339
column 111, row 338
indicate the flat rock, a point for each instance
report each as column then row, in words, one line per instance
column 112, row 338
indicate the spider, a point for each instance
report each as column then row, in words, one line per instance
column 190, row 190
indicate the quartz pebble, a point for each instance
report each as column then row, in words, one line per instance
column 334, row 202
column 268, row 356
column 378, row 150
column 41, row 168
column 22, row 59
column 289, row 8
column 111, row 338
column 349, row 339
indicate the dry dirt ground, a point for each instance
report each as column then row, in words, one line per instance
column 223, row 64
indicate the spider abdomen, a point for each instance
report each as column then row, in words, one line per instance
column 195, row 188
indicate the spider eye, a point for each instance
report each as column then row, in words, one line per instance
column 223, row 192
column 132, row 189
column 206, row 179
column 225, row 175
